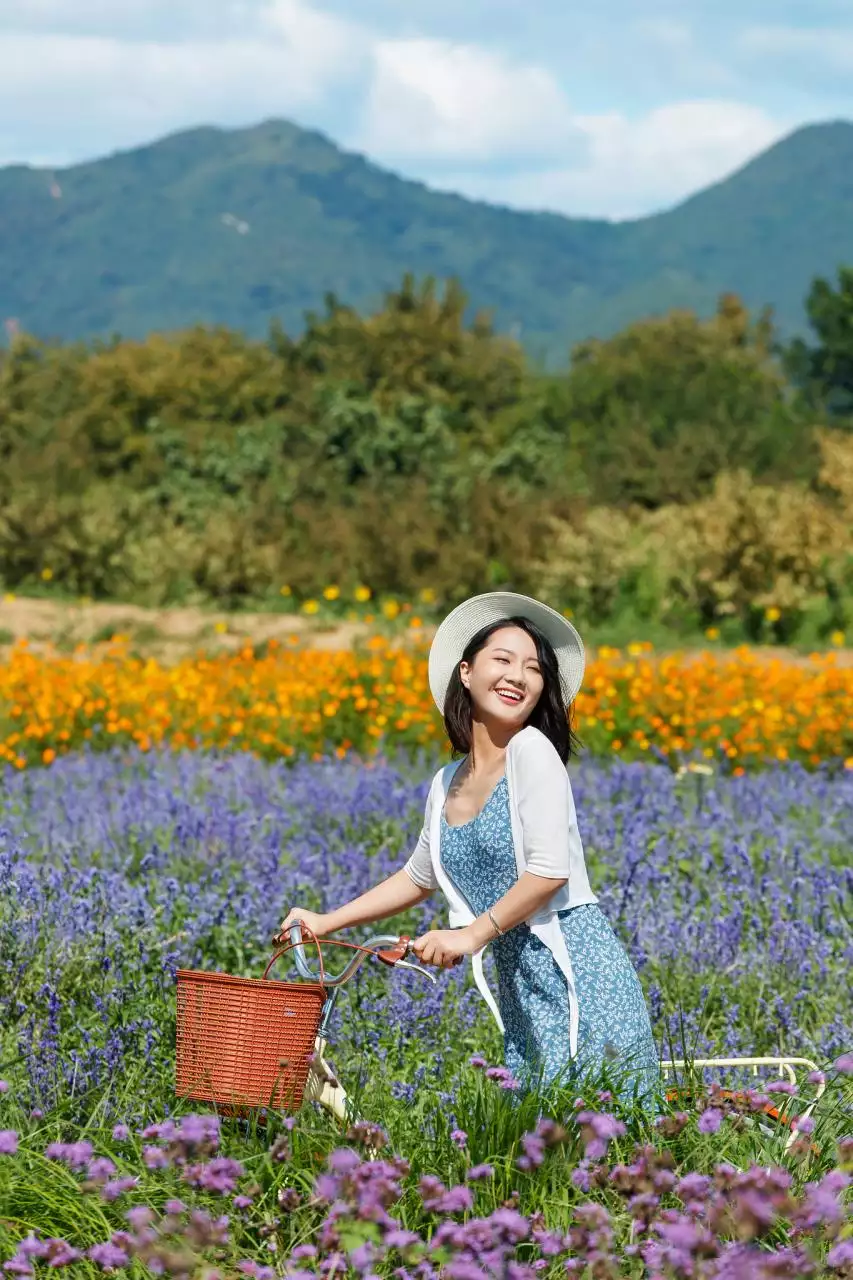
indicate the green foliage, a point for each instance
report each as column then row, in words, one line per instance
column 410, row 449
column 665, row 406
column 825, row 371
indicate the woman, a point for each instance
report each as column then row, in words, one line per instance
column 500, row 839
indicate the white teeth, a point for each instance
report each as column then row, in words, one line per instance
column 509, row 693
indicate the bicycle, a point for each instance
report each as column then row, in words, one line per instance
column 309, row 1073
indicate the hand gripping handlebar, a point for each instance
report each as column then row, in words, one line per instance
column 389, row 948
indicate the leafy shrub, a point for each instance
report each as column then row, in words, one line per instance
column 743, row 550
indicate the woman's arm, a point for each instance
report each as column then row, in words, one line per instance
column 387, row 898
column 528, row 895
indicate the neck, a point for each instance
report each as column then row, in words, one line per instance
column 488, row 746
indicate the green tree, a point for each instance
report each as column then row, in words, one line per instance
column 824, row 371
column 664, row 406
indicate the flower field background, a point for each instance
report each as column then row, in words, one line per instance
column 686, row 481
column 733, row 895
column 736, row 709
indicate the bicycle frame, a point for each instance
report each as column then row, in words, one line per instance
column 323, row 1086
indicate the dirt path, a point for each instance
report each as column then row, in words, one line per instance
column 166, row 634
column 171, row 634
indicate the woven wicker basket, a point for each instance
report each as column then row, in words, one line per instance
column 244, row 1043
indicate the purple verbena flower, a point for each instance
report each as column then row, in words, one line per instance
column 100, row 1169
column 219, row 1175
column 8, row 1142
column 117, row 1187
column 710, row 1120
column 74, row 1154
column 109, row 1256
column 155, row 1158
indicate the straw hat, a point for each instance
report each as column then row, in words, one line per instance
column 459, row 628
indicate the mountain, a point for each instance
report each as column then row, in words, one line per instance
column 236, row 227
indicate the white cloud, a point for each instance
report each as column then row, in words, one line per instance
column 436, row 101
column 80, row 79
column 676, row 149
column 636, row 166
column 832, row 45
column 106, row 92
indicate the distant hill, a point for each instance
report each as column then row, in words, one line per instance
column 236, row 227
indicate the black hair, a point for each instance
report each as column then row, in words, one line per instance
column 550, row 715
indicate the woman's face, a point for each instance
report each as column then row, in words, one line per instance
column 504, row 680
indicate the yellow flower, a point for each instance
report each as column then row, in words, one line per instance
column 285, row 590
column 221, row 627
column 568, row 613
column 427, row 596
column 310, row 606
column 390, row 608
column 8, row 597
column 362, row 594
column 837, row 638
column 46, row 574
column 713, row 633
column 332, row 593
column 773, row 614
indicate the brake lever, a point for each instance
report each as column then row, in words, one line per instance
column 407, row 964
column 395, row 958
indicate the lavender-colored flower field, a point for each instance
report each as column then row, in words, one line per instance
column 734, row 898
column 735, row 902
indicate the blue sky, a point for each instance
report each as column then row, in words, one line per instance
column 615, row 111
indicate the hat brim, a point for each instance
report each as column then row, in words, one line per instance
column 463, row 623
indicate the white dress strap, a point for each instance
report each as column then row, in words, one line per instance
column 550, row 933
column 483, row 988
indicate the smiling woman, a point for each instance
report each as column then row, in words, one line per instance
column 500, row 839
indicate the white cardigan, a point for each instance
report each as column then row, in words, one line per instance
column 546, row 842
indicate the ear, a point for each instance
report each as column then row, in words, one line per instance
column 465, row 674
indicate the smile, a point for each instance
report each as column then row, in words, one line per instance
column 512, row 696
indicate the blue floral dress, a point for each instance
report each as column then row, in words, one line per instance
column 614, row 1028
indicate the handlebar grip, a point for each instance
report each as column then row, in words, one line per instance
column 297, row 942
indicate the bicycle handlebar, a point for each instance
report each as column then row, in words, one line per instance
column 356, row 961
